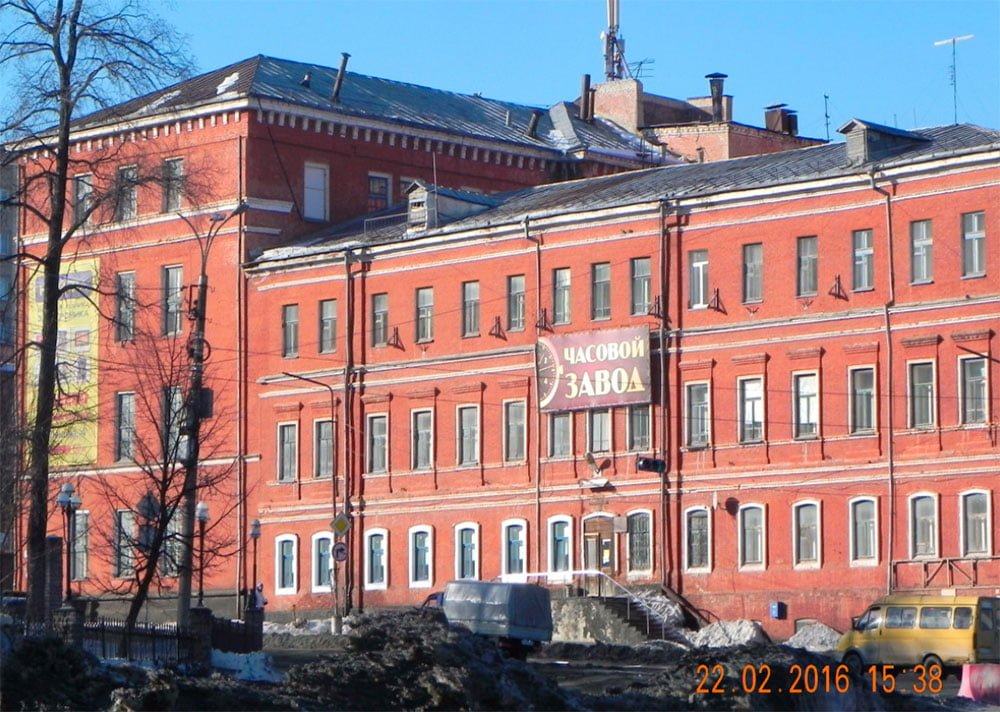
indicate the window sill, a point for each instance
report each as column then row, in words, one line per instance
column 471, row 336
column 868, row 433
column 376, row 587
column 697, row 448
column 284, row 592
column 289, row 357
column 420, row 584
column 751, row 443
column 921, row 283
column 864, row 563
column 698, row 572
column 753, row 301
column 600, row 318
column 283, row 482
column 978, row 275
column 319, row 478
column 424, row 341
column 326, row 352
column 752, row 568
column 805, row 438
column 321, row 589
column 466, row 465
column 861, row 290
column 808, row 566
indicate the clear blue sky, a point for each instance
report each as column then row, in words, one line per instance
column 875, row 59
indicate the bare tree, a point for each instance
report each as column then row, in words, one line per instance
column 67, row 59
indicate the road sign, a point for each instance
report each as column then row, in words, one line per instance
column 340, row 551
column 341, row 524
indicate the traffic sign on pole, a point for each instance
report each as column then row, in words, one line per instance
column 340, row 551
column 341, row 524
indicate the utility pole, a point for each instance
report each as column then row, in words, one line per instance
column 193, row 413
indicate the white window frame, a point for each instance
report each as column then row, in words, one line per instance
column 456, row 530
column 797, row 560
column 414, row 465
column 380, row 320
column 429, row 531
column 289, row 330
column 864, row 261
column 963, row 393
column 741, row 409
column 125, row 306
column 173, row 184
column 471, row 299
column 641, row 286
column 600, row 291
column 636, row 572
column 592, row 445
column 316, row 448
column 753, row 274
column 125, row 427
column 752, row 566
column 424, row 315
column 630, row 436
column 974, row 243
column 515, row 303
column 910, row 396
column 921, row 253
column 568, row 415
column 80, row 545
column 127, row 194
column 562, row 296
column 852, row 539
column 370, row 443
column 852, row 426
column 963, row 525
column 505, row 571
column 280, row 590
column 566, row 574
column 123, row 564
column 698, row 279
column 689, row 418
column 708, row 533
column 384, row 583
column 505, row 409
column 911, row 526
column 172, row 300
column 460, row 435
column 807, row 266
column 279, row 459
column 83, row 195
column 326, row 340
column 317, row 587
column 312, row 193
column 797, row 395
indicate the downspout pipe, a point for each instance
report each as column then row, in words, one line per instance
column 539, row 532
column 664, row 446
column 349, row 423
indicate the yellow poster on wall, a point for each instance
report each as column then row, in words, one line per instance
column 74, row 426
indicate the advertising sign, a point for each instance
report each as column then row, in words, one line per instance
column 593, row 369
column 74, row 432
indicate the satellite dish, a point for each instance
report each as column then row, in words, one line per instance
column 589, row 457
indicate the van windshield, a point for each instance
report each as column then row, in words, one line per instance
column 870, row 620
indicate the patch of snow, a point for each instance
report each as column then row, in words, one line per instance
column 659, row 605
column 315, row 626
column 247, row 667
column 816, row 638
column 725, row 633
column 227, row 83
column 159, row 101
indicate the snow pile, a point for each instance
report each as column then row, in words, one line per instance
column 315, row 626
column 250, row 667
column 725, row 633
column 668, row 611
column 816, row 638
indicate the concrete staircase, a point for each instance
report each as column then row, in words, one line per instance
column 633, row 613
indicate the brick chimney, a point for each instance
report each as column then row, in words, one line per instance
column 620, row 101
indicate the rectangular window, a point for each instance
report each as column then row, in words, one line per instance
column 805, row 391
column 378, row 192
column 468, row 435
column 124, row 562
column 315, row 192
column 751, row 393
column 125, row 306
column 600, row 290
column 126, row 194
column 863, row 547
column 321, row 562
column 513, row 431
column 80, row 540
column 698, row 279
column 560, row 296
column 83, row 193
column 922, row 395
column 174, row 416
column 173, row 184
column 599, row 430
column 921, row 252
column 807, row 271
column 466, row 553
column 425, row 314
column 973, row 390
column 170, row 556
column 421, row 557
column 975, row 521
column 515, row 302
column 288, row 446
column 807, row 534
column 323, row 448
column 286, row 565
column 327, row 326
column 642, row 294
column 752, row 536
column 560, row 434
column 639, row 542
column 638, row 428
column 470, row 309
column 423, row 429
column 124, row 426
column 380, row 319
column 560, row 546
column 290, row 330
column 514, row 549
column 173, row 299
column 753, row 272
column 862, row 400
column 923, row 526
column 376, row 560
column 974, row 244
column 697, row 414
column 697, row 539
column 864, row 260
column 378, row 431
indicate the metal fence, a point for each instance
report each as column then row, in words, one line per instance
column 233, row 636
column 110, row 638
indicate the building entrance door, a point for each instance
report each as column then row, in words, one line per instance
column 599, row 552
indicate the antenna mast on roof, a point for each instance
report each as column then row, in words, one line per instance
column 614, row 47
column 954, row 71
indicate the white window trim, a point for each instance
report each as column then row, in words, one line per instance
column 368, row 441
column 910, row 538
column 628, row 427
column 762, row 566
column 702, row 281
column 551, row 432
column 287, row 590
column 795, row 405
column 961, row 391
column 934, row 394
column 413, row 451
column 474, row 526
column 317, row 587
column 687, row 566
column 524, row 431
column 280, row 454
column 367, row 561
column 874, row 561
column 638, row 573
column 740, row 380
column 687, row 413
column 325, row 167
column 315, row 448
column 458, row 436
column 430, row 556
column 559, row 576
column 611, row 430
column 850, row 400
column 989, row 523
column 504, row 563
column 797, row 563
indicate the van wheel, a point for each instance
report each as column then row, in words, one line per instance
column 853, row 662
column 932, row 660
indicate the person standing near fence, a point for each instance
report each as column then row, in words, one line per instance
column 259, row 600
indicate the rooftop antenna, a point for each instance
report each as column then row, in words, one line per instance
column 614, row 47
column 954, row 67
column 826, row 114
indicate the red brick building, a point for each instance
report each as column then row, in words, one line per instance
column 805, row 340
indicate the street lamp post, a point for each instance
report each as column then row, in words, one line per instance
column 254, row 536
column 69, row 503
column 202, row 515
